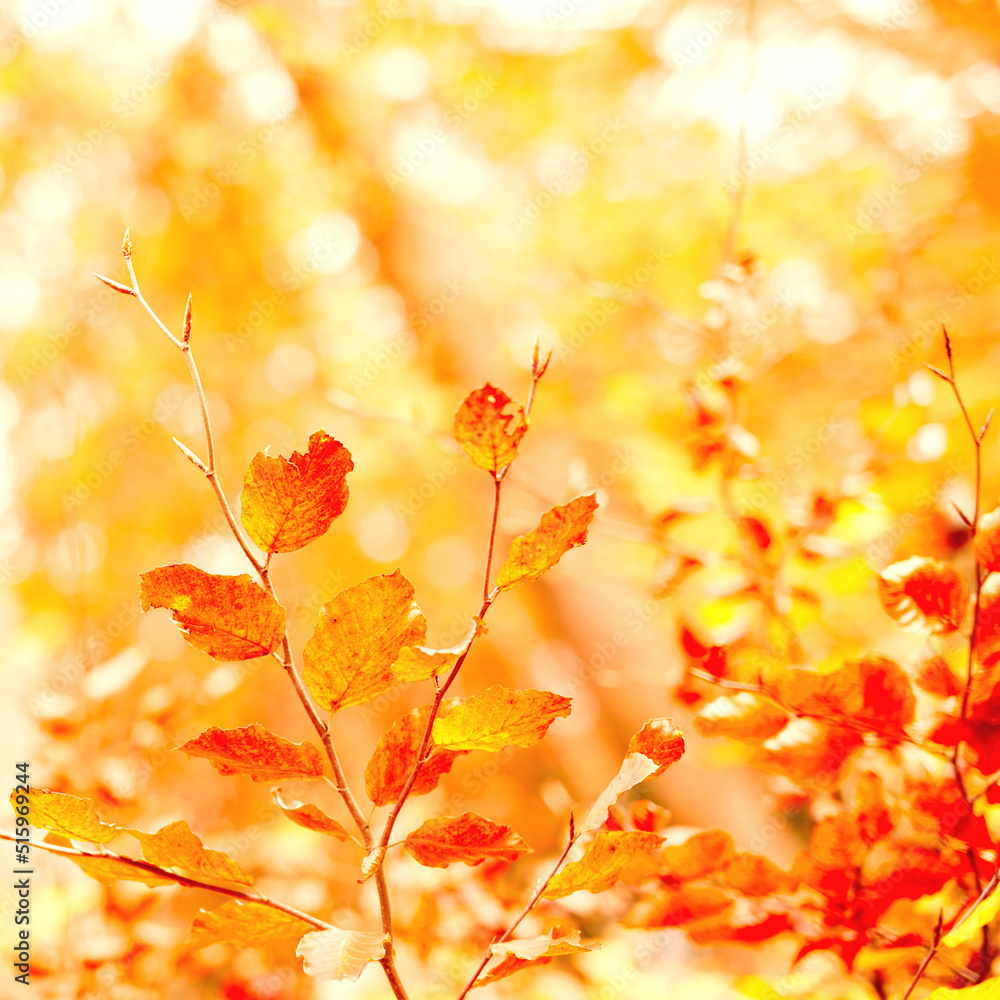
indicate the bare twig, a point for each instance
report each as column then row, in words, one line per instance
column 536, row 896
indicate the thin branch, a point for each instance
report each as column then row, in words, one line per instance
column 536, row 896
column 928, row 958
column 263, row 570
column 192, row 883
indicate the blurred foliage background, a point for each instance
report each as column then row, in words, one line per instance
column 738, row 226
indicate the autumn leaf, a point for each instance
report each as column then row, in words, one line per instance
column 987, row 541
column 489, row 426
column 742, row 716
column 65, row 814
column 339, row 954
column 988, row 628
column 988, row 990
column 473, row 839
column 228, row 617
column 753, row 875
column 310, row 817
column 108, row 870
column 421, row 663
column 812, row 754
column 287, row 502
column 357, row 639
column 396, row 754
column 531, row 951
column 561, row 529
column 675, row 906
column 245, row 925
column 659, row 737
column 981, row 915
column 701, row 854
column 255, row 751
column 614, row 856
column 175, row 846
column 498, row 718
column 924, row 595
column 661, row 741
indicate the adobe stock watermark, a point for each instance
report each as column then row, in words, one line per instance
column 424, row 148
column 820, row 95
column 122, row 106
column 370, row 29
column 882, row 200
column 597, row 315
column 564, row 182
column 247, row 151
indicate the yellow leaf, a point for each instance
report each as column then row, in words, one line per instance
column 616, row 855
column 357, row 639
column 65, row 814
column 245, row 925
column 175, row 846
column 979, row 916
column 499, row 717
column 561, row 529
column 107, row 870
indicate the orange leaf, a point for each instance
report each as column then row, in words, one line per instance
column 532, row 951
column 987, row 541
column 107, row 870
column 65, row 814
column 470, row 838
column 498, row 718
column 228, row 617
column 287, row 502
column 674, row 906
column 561, row 529
column 245, row 925
column 988, row 629
column 255, row 751
column 699, row 855
column 310, row 817
column 396, row 753
column 489, row 425
column 614, row 856
column 175, row 846
column 339, row 954
column 836, row 843
column 661, row 741
column 742, row 716
column 811, row 754
column 874, row 818
column 754, row 875
column 924, row 595
column 357, row 639
column 936, row 677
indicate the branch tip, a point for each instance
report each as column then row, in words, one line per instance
column 115, row 285
column 187, row 319
column 127, row 245
column 191, row 456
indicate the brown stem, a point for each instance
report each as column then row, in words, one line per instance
column 288, row 663
column 536, row 896
column 193, row 883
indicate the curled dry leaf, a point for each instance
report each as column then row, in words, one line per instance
column 742, row 716
column 498, row 718
column 489, row 426
column 661, row 737
column 310, row 817
column 421, row 663
column 532, row 951
column 357, row 639
column 245, row 925
column 396, row 754
column 987, row 541
column 287, row 502
column 469, row 838
column 615, row 856
column 255, row 751
column 175, row 846
column 67, row 815
column 561, row 529
column 339, row 954
column 924, row 595
column 228, row 617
